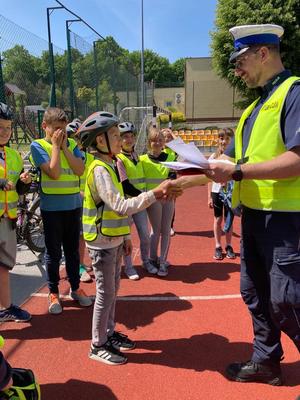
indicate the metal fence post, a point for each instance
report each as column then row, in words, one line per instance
column 96, row 73
column 2, row 87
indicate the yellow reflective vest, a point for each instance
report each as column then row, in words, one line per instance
column 13, row 165
column 88, row 159
column 101, row 218
column 155, row 172
column 135, row 172
column 68, row 182
column 265, row 144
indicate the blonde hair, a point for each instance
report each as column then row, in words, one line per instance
column 54, row 114
column 153, row 133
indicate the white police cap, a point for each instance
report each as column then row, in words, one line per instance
column 246, row 36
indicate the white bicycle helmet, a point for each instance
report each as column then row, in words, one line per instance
column 125, row 127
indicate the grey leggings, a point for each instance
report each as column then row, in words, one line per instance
column 107, row 266
column 160, row 215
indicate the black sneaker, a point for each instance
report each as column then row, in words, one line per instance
column 107, row 354
column 121, row 342
column 229, row 252
column 14, row 313
column 218, row 253
column 250, row 371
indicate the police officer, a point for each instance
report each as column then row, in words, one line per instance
column 266, row 151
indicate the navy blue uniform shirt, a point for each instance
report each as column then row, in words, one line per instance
column 290, row 116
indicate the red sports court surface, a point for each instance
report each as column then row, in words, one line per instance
column 188, row 326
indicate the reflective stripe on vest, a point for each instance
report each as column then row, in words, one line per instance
column 68, row 182
column 102, row 220
column 11, row 171
column 135, row 172
column 155, row 173
column 265, row 144
column 88, row 159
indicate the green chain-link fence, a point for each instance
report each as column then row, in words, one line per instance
column 26, row 79
column 89, row 76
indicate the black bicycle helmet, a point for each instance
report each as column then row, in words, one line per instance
column 5, row 112
column 73, row 127
column 125, row 127
column 94, row 125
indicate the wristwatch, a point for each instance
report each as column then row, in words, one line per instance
column 238, row 173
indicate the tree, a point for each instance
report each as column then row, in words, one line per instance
column 178, row 71
column 242, row 12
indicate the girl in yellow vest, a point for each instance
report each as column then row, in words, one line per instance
column 13, row 181
column 132, row 177
column 106, row 231
column 160, row 213
column 169, row 136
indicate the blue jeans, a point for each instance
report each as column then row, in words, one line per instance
column 62, row 230
column 270, row 278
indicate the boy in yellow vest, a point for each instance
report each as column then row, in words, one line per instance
column 13, row 181
column 106, row 231
column 60, row 163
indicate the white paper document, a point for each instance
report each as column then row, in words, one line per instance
column 190, row 155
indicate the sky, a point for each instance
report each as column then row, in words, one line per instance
column 172, row 28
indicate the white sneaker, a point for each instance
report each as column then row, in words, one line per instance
column 163, row 269
column 151, row 268
column 131, row 273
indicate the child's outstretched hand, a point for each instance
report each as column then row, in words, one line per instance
column 25, row 177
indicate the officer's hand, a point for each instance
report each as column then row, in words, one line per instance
column 168, row 190
column 220, row 172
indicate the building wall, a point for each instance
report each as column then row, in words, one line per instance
column 170, row 97
column 207, row 97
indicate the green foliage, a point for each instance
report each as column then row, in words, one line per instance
column 242, row 12
column 110, row 68
column 176, row 117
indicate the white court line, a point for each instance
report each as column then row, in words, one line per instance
column 158, row 298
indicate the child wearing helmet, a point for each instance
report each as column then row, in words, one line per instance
column 132, row 178
column 13, row 181
column 106, row 231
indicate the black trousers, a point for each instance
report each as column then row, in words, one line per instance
column 270, row 279
column 62, row 230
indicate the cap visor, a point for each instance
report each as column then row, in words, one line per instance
column 237, row 53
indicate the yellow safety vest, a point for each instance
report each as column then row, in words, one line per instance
column 88, row 159
column 68, row 182
column 101, row 218
column 155, row 172
column 265, row 144
column 170, row 151
column 13, row 165
column 135, row 172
